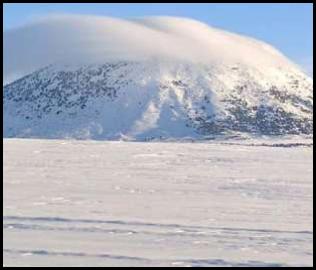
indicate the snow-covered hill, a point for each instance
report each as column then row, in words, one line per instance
column 250, row 90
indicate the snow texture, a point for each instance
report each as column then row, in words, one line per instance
column 93, row 203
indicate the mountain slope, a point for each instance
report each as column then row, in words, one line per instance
column 145, row 100
column 152, row 78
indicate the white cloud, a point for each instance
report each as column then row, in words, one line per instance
column 88, row 39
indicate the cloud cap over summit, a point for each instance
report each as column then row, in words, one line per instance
column 76, row 39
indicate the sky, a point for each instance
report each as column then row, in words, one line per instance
column 288, row 27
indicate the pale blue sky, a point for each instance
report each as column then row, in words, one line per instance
column 288, row 27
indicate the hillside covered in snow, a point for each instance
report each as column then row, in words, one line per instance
column 91, row 78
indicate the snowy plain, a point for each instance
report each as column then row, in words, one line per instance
column 96, row 203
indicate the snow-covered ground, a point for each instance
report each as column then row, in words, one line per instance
column 94, row 203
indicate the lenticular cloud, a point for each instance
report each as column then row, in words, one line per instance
column 76, row 39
